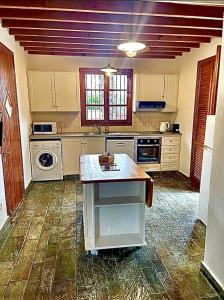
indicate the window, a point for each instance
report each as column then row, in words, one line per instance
column 106, row 100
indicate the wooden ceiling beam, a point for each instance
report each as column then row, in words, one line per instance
column 111, row 36
column 109, row 51
column 95, row 47
column 121, row 7
column 75, row 41
column 109, row 28
column 99, row 55
column 102, row 18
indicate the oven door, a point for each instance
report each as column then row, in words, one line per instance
column 147, row 154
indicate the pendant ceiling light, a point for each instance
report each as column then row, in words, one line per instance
column 131, row 47
column 108, row 70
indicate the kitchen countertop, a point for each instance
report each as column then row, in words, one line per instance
column 92, row 134
column 90, row 170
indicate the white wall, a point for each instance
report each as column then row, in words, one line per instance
column 3, row 211
column 214, row 246
column 67, row 122
column 187, row 66
column 23, row 103
column 70, row 63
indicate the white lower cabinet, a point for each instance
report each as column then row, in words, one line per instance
column 94, row 145
column 150, row 167
column 173, row 166
column 170, row 154
column 73, row 148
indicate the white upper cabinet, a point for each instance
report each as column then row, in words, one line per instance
column 54, row 91
column 149, row 87
column 41, row 91
column 156, row 87
column 171, row 93
column 67, row 91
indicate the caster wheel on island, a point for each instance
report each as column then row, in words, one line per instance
column 94, row 252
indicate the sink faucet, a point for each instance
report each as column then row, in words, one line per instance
column 98, row 128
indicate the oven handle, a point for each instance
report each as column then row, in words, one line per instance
column 155, row 145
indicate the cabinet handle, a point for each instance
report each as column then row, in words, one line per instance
column 56, row 93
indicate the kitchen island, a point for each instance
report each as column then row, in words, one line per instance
column 114, row 203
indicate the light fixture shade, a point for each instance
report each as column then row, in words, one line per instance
column 108, row 70
column 131, row 48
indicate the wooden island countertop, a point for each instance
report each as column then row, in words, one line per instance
column 91, row 172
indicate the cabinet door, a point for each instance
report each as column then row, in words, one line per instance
column 67, row 91
column 94, row 145
column 171, row 93
column 72, row 149
column 150, row 87
column 41, row 91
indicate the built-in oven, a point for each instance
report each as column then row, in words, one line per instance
column 147, row 150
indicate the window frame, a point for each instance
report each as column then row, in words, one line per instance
column 106, row 121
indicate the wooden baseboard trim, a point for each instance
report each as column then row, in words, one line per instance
column 212, row 280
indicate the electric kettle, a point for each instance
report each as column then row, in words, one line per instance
column 164, row 126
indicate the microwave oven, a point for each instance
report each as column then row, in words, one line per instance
column 44, row 128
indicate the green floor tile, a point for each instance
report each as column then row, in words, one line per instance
column 43, row 254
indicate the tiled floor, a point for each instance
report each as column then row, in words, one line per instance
column 43, row 256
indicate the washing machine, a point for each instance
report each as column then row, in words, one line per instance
column 46, row 160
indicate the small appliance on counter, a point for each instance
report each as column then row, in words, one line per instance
column 44, row 128
column 175, row 128
column 164, row 126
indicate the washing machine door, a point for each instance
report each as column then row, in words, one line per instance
column 46, row 160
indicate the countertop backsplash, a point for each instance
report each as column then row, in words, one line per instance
column 70, row 122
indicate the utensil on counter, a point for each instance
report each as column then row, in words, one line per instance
column 164, row 126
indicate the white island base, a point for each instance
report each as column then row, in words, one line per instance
column 114, row 215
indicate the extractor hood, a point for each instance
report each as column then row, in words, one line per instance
column 150, row 105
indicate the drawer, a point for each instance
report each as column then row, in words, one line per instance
column 171, row 140
column 170, row 158
column 150, row 167
column 170, row 149
column 172, row 166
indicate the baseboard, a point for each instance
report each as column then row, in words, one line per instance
column 212, row 280
column 4, row 232
column 71, row 177
column 183, row 175
column 28, row 188
column 201, row 222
